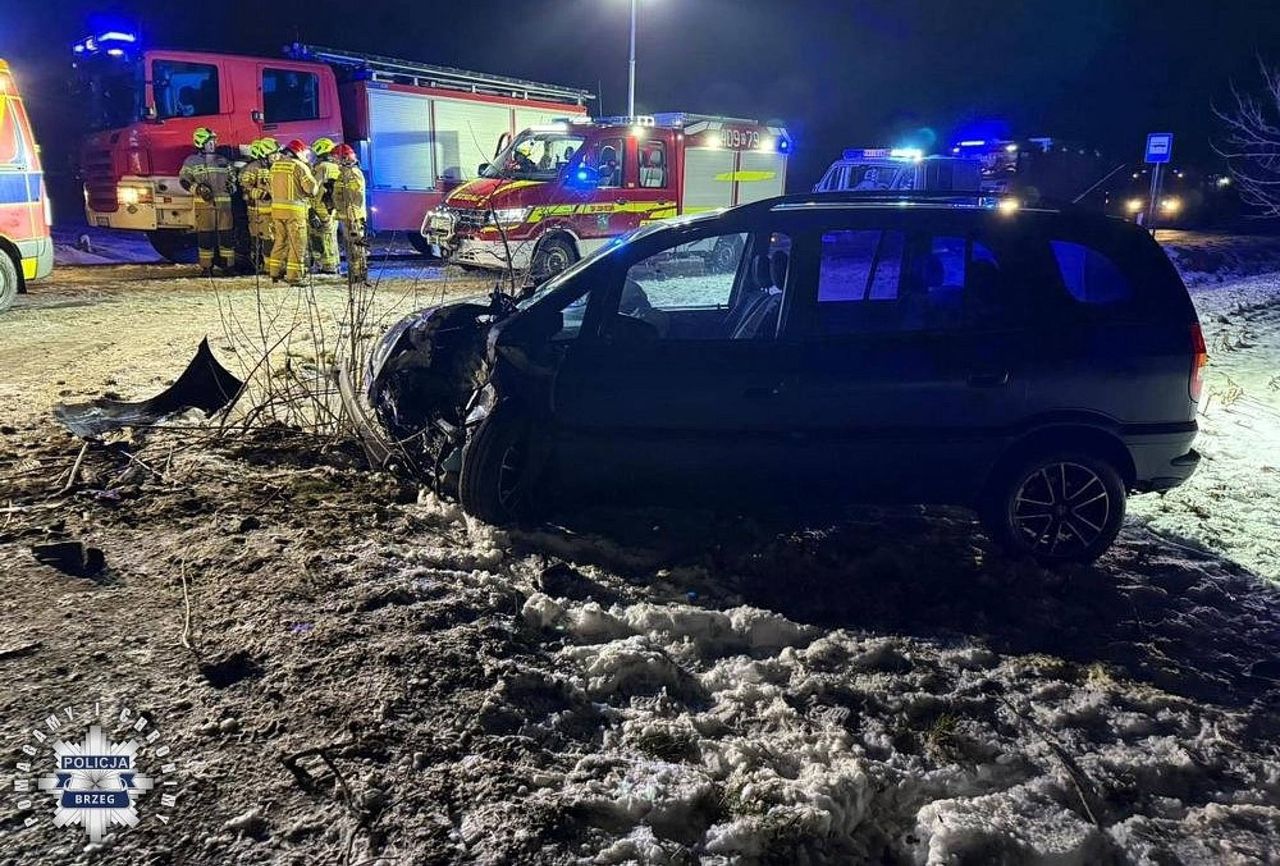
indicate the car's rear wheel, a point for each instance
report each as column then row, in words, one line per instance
column 497, row 469
column 1059, row 506
column 10, row 282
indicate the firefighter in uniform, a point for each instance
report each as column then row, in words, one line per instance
column 247, row 180
column 293, row 186
column 348, row 201
column 261, row 196
column 323, row 219
column 207, row 175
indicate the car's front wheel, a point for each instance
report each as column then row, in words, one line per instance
column 1057, row 507
column 497, row 468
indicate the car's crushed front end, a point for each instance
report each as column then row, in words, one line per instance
column 426, row 382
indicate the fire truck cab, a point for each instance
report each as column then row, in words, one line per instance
column 899, row 169
column 557, row 191
column 26, row 251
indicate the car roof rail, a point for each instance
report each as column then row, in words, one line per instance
column 983, row 200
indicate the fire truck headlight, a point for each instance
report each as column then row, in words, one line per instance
column 1133, row 205
column 1171, row 205
column 510, row 216
column 1008, row 205
column 130, row 195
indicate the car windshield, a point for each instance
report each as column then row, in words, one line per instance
column 111, row 89
column 535, row 156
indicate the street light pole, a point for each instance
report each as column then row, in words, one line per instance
column 631, row 87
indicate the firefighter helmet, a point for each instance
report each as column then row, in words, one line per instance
column 344, row 153
column 202, row 136
column 269, row 146
column 321, row 146
column 297, row 147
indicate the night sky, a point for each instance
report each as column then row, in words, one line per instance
column 840, row 73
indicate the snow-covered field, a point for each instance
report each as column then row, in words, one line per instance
column 631, row 687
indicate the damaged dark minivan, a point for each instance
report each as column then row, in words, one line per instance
column 1035, row 364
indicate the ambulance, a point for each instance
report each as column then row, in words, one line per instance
column 557, row 191
column 26, row 251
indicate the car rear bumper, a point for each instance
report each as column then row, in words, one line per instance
column 1162, row 461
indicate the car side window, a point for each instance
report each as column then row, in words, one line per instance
column 185, row 89
column 701, row 290
column 1089, row 276
column 878, row 282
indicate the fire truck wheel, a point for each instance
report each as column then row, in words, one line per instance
column 177, row 247
column 9, row 281
column 725, row 255
column 553, row 255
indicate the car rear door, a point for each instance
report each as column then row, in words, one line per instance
column 911, row 356
column 679, row 392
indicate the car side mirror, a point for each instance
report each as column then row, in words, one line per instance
column 482, row 168
column 150, row 114
column 583, row 177
column 624, row 330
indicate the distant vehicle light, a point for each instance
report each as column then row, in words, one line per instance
column 1171, row 205
column 766, row 145
column 1133, row 205
column 914, row 154
column 973, row 142
column 1224, row 181
column 1011, row 148
column 117, row 36
column 116, row 52
column 783, row 147
column 1008, row 205
column 638, row 131
column 713, row 140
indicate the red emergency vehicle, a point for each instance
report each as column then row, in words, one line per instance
column 419, row 129
column 26, row 252
column 558, row 191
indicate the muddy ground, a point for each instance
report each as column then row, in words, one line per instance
column 349, row 670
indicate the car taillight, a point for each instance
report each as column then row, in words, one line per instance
column 1199, row 360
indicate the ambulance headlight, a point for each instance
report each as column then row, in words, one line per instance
column 509, row 216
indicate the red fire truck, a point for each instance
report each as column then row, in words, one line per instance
column 26, row 252
column 419, row 129
column 557, row 191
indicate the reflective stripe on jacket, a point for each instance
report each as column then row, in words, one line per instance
column 209, row 169
column 348, row 193
column 292, row 184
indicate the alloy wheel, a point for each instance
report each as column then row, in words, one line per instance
column 1061, row 509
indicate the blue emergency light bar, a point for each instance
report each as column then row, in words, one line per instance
column 912, row 154
column 104, row 41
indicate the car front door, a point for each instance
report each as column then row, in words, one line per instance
column 912, row 375
column 678, row 393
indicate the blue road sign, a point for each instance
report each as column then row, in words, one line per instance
column 1159, row 147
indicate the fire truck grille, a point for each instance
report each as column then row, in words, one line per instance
column 469, row 218
column 100, row 180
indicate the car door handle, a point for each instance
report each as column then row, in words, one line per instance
column 989, row 379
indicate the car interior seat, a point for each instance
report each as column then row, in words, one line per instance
column 761, row 321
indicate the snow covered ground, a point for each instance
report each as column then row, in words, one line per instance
column 1232, row 503
column 643, row 688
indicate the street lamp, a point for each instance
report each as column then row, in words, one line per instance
column 631, row 85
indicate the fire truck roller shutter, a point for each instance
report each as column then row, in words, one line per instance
column 707, row 178
column 400, row 141
column 760, row 176
column 466, row 135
